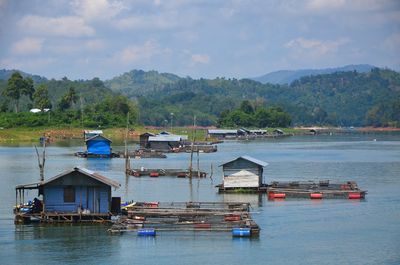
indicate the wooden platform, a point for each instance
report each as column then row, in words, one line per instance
column 304, row 189
column 156, row 172
column 191, row 216
column 25, row 218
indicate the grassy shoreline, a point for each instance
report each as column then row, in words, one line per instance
column 118, row 134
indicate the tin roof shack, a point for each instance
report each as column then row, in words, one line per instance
column 165, row 142
column 222, row 133
column 98, row 146
column 75, row 195
column 144, row 139
column 243, row 173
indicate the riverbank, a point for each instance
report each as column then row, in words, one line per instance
column 118, row 134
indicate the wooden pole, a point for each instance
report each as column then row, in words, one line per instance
column 191, row 149
column 41, row 163
column 127, row 163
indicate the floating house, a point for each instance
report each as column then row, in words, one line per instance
column 165, row 142
column 242, row 132
column 75, row 195
column 244, row 172
column 98, row 146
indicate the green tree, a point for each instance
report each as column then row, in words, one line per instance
column 246, row 107
column 68, row 100
column 41, row 97
column 17, row 86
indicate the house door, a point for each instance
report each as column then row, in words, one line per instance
column 103, row 202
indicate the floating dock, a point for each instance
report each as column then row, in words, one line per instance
column 180, row 173
column 189, row 216
column 304, row 189
column 315, row 190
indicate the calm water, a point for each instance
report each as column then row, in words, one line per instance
column 293, row 231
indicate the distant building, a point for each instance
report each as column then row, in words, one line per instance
column 222, row 133
column 98, row 145
column 164, row 142
column 243, row 172
column 144, row 139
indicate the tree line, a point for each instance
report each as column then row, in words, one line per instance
column 69, row 109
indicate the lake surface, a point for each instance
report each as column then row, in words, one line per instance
column 293, row 231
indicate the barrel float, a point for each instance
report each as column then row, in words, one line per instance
column 146, row 232
column 202, row 226
column 355, row 195
column 151, row 204
column 315, row 195
column 241, row 232
column 273, row 195
column 154, row 174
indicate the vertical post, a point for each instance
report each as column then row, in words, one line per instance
column 172, row 119
column 191, row 149
column 127, row 164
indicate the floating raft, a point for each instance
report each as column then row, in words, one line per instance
column 180, row 173
column 315, row 190
column 304, row 189
column 190, row 216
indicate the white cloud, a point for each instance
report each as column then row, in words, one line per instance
column 313, row 47
column 137, row 53
column 27, row 65
column 200, row 58
column 67, row 26
column 319, row 5
column 97, row 9
column 393, row 42
column 28, row 46
column 145, row 22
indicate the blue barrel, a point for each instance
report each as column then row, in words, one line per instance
column 241, row 232
column 146, row 232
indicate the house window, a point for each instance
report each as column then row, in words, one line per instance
column 69, row 194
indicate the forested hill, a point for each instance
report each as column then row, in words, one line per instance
column 139, row 82
column 341, row 98
column 288, row 76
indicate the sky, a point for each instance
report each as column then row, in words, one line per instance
column 83, row 39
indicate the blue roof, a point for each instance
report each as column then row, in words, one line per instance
column 249, row 158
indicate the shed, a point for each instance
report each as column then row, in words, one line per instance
column 243, row 172
column 98, row 145
column 75, row 190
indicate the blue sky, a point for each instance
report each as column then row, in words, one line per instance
column 83, row 39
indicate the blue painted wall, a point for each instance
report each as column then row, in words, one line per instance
column 99, row 146
column 96, row 199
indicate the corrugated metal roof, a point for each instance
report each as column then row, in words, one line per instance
column 165, row 138
column 93, row 132
column 249, row 158
column 221, row 131
column 98, row 135
column 88, row 173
